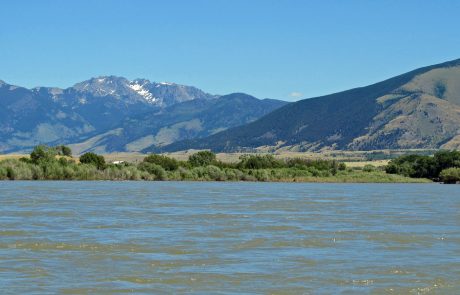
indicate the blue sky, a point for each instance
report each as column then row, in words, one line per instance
column 278, row 49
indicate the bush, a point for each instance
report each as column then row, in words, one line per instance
column 369, row 168
column 16, row 170
column 259, row 162
column 203, row 158
column 93, row 159
column 42, row 154
column 167, row 163
column 156, row 170
column 450, row 175
column 262, row 175
column 63, row 150
column 3, row 173
column 214, row 173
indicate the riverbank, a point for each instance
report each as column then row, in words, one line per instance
column 57, row 163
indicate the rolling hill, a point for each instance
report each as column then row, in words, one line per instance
column 192, row 119
column 419, row 109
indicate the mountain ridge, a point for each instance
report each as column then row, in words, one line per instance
column 52, row 115
column 341, row 120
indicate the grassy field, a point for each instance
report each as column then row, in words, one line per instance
column 12, row 156
column 361, row 164
column 350, row 158
column 362, row 177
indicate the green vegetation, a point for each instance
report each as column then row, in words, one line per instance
column 49, row 163
column 204, row 158
column 450, row 175
column 166, row 163
column 63, row 150
column 437, row 167
column 93, row 159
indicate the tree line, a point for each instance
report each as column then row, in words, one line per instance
column 442, row 166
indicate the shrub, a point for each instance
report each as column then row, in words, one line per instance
column 450, row 175
column 63, row 150
column 93, row 159
column 186, row 174
column 203, row 158
column 86, row 172
column 262, row 175
column 167, row 163
column 42, row 154
column 3, row 173
column 156, row 170
column 214, row 173
column 369, row 168
column 259, row 162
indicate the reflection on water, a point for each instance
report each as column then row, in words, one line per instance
column 269, row 238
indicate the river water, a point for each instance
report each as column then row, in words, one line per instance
column 228, row 238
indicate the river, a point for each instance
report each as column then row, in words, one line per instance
column 228, row 238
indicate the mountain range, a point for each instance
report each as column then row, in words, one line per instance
column 419, row 109
column 110, row 113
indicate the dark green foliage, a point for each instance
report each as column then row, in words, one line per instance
column 93, row 159
column 446, row 159
column 424, row 166
column 203, row 158
column 167, row 163
column 42, row 154
column 259, row 162
column 63, row 150
column 440, row 89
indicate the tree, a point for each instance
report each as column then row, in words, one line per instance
column 259, row 162
column 63, row 150
column 42, row 154
column 93, row 159
column 165, row 162
column 446, row 159
column 203, row 158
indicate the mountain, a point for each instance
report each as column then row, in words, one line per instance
column 419, row 109
column 191, row 119
column 135, row 111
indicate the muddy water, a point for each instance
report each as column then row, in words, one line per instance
column 245, row 238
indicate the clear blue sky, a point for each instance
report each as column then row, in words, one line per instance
column 278, row 49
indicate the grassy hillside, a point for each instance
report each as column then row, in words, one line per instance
column 419, row 109
column 192, row 119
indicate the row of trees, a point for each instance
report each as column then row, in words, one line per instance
column 246, row 162
column 443, row 166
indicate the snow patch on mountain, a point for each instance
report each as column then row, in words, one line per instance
column 143, row 92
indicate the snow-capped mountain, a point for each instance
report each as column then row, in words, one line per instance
column 47, row 115
column 160, row 94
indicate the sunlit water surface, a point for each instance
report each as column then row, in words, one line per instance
column 245, row 238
